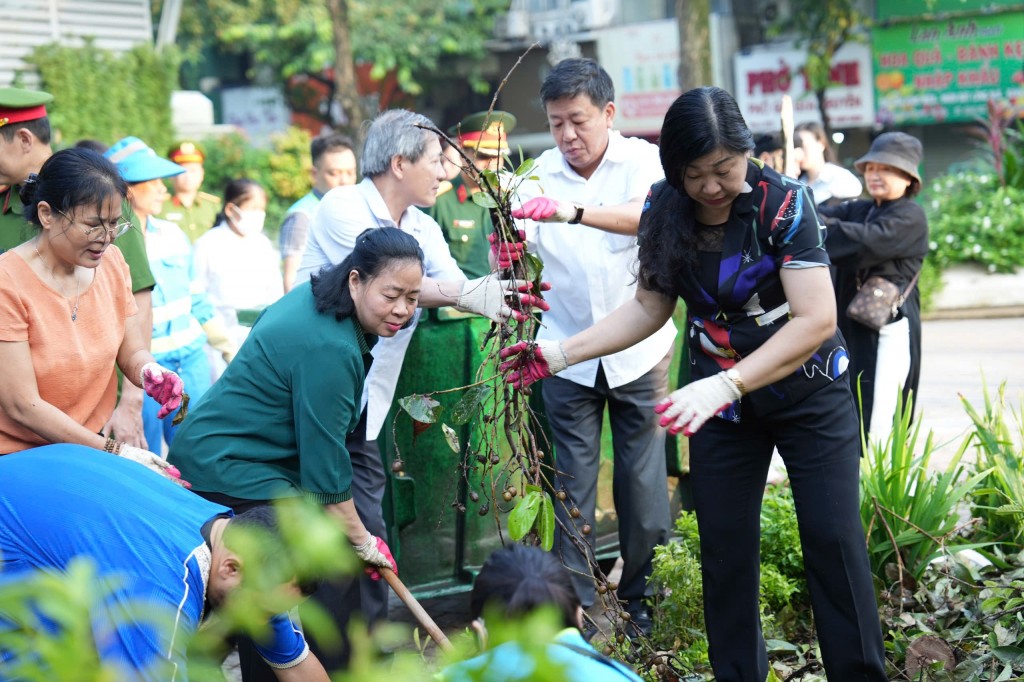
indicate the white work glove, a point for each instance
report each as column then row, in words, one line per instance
column 688, row 408
column 153, row 462
column 219, row 339
column 376, row 553
column 488, row 296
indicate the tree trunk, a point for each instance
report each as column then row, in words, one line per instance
column 694, row 43
column 345, row 89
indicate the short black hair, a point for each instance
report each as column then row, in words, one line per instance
column 376, row 250
column 263, row 519
column 573, row 77
column 330, row 143
column 520, row 579
column 95, row 145
column 70, row 178
column 40, row 127
column 766, row 142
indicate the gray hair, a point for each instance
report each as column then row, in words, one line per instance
column 394, row 133
column 573, row 77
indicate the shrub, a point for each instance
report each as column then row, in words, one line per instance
column 103, row 95
column 998, row 441
column 973, row 219
column 910, row 512
column 679, row 600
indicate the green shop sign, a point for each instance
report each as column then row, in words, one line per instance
column 890, row 9
column 946, row 71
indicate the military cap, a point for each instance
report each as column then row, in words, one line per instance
column 485, row 133
column 186, row 152
column 18, row 105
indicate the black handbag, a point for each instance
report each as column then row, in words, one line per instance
column 878, row 301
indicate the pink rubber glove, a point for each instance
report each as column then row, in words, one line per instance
column 529, row 301
column 688, row 408
column 530, row 362
column 163, row 386
column 376, row 553
column 506, row 253
column 545, row 210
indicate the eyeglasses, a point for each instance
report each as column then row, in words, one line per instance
column 99, row 232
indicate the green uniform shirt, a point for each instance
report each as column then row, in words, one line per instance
column 14, row 230
column 465, row 225
column 274, row 425
column 194, row 220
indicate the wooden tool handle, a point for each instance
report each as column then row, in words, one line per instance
column 414, row 607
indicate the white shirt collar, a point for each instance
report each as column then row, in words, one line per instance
column 616, row 152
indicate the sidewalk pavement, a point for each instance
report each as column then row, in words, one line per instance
column 959, row 355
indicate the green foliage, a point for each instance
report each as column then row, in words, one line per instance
column 909, row 510
column 410, row 37
column 973, row 219
column 106, row 96
column 679, row 600
column 822, row 27
column 534, row 512
column 282, row 170
column 977, row 611
column 999, row 499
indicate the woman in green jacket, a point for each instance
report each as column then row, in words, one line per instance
column 274, row 424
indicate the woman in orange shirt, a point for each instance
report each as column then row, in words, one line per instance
column 67, row 315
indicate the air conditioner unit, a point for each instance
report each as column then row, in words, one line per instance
column 594, row 14
column 773, row 12
column 513, row 25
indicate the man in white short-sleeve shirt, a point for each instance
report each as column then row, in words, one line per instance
column 584, row 228
column 402, row 168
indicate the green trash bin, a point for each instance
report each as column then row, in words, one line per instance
column 435, row 544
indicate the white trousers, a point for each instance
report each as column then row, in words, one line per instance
column 891, row 369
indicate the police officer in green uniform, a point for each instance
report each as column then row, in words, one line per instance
column 24, row 147
column 192, row 210
column 466, row 224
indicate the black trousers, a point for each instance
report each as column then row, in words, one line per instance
column 639, row 487
column 818, row 439
column 342, row 598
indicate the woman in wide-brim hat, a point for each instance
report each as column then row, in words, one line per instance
column 184, row 320
column 886, row 235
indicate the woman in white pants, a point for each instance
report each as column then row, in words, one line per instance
column 886, row 235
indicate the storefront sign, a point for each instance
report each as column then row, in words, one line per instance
column 946, row 71
column 922, row 8
column 643, row 61
column 762, row 78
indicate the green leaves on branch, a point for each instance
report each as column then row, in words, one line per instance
column 421, row 407
column 535, row 511
column 470, row 402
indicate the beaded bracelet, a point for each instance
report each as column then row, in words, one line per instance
column 112, row 446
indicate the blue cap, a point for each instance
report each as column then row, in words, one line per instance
column 138, row 163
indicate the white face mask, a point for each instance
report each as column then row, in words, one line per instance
column 250, row 222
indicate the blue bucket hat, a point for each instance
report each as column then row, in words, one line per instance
column 138, row 163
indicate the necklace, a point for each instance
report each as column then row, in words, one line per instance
column 78, row 286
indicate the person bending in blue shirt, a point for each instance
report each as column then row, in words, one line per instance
column 158, row 550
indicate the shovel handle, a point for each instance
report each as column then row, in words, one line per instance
column 414, row 607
